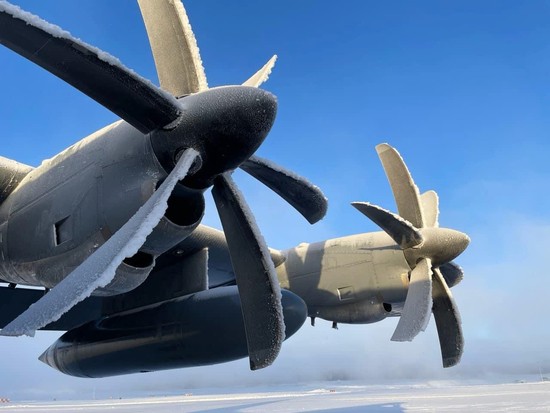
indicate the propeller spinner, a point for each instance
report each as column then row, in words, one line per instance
column 429, row 250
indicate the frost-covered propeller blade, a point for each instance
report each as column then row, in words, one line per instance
column 418, row 304
column 92, row 71
column 404, row 190
column 452, row 273
column 430, row 208
column 177, row 58
column 401, row 231
column 99, row 268
column 261, row 75
column 448, row 321
column 255, row 274
column 305, row 197
column 416, row 230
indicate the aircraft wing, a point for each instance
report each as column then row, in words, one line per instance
column 179, row 272
column 220, row 271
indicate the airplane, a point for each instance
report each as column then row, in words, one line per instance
column 404, row 271
column 186, row 309
column 95, row 225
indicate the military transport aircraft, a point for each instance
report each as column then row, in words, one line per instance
column 100, row 218
column 176, row 297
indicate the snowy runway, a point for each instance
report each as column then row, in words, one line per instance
column 514, row 397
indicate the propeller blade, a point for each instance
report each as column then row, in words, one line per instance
column 259, row 288
column 430, row 208
column 452, row 273
column 90, row 70
column 174, row 47
column 404, row 190
column 401, row 231
column 447, row 320
column 100, row 267
column 305, row 197
column 261, row 75
column 418, row 304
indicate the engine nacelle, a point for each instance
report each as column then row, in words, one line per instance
column 130, row 274
column 358, row 312
column 181, row 218
column 183, row 215
column 11, row 174
column 196, row 330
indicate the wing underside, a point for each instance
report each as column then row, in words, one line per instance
column 177, row 273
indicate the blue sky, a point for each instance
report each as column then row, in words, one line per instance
column 461, row 89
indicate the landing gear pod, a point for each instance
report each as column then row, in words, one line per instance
column 196, row 330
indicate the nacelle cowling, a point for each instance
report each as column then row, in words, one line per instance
column 183, row 215
column 359, row 312
column 129, row 275
column 11, row 174
column 196, row 330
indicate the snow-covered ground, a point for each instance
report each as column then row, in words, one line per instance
column 326, row 397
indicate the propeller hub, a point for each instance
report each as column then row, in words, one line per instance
column 225, row 125
column 441, row 245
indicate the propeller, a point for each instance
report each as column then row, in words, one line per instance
column 200, row 138
column 429, row 250
column 180, row 71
